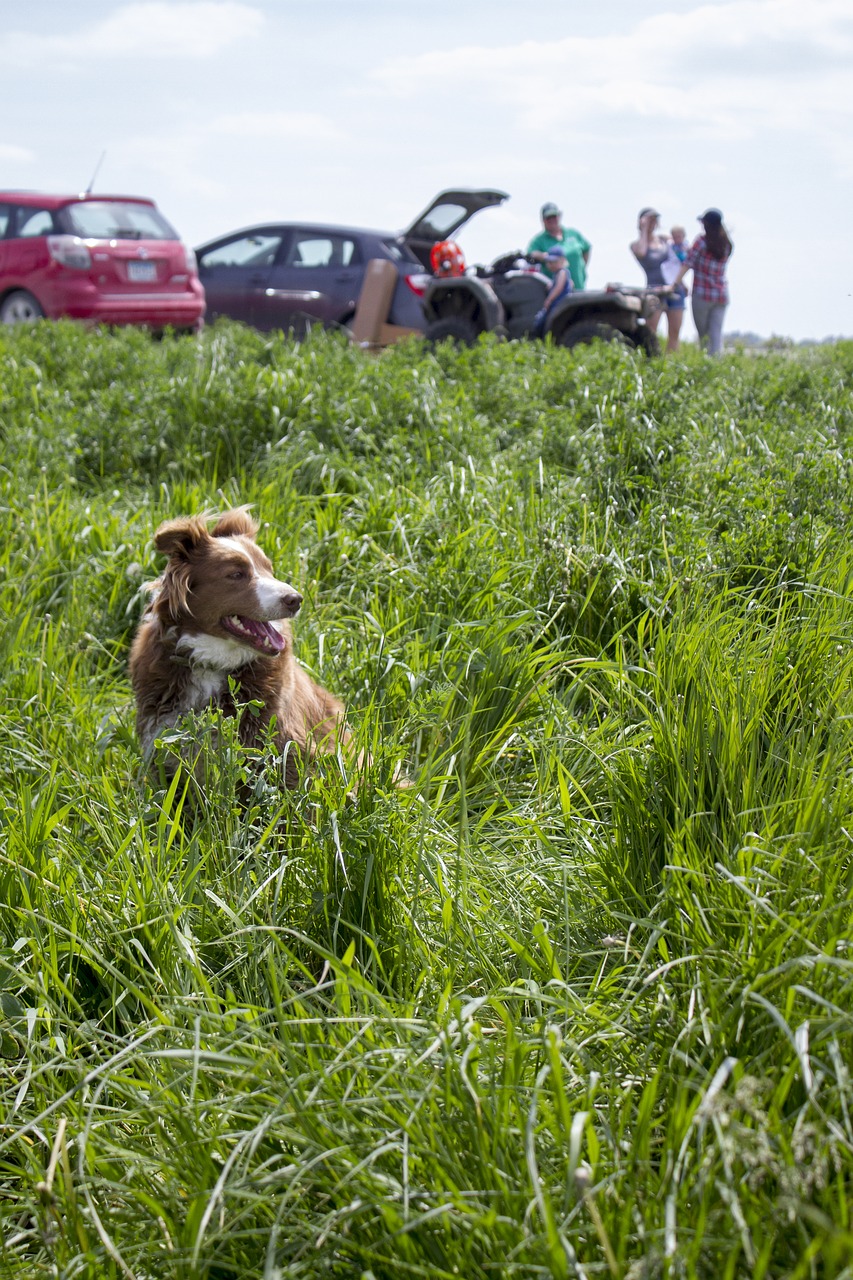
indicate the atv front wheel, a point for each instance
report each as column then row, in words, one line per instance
column 647, row 341
column 456, row 328
column 591, row 331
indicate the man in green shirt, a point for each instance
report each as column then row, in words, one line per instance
column 576, row 247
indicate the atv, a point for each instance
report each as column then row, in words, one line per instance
column 504, row 298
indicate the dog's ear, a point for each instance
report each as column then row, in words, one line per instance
column 234, row 523
column 178, row 538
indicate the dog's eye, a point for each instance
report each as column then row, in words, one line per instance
column 236, row 574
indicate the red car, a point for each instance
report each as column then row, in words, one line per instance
column 101, row 259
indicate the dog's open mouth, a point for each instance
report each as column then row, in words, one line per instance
column 262, row 636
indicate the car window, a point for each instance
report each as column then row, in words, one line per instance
column 399, row 253
column 441, row 219
column 116, row 220
column 34, row 222
column 256, row 250
column 322, row 251
column 5, row 215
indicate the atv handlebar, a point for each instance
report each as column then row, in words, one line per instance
column 507, row 261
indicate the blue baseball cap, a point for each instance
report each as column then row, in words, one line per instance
column 556, row 251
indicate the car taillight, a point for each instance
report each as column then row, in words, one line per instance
column 190, row 259
column 69, row 251
column 418, row 282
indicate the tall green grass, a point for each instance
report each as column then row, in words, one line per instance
column 575, row 1004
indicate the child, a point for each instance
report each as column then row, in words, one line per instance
column 678, row 241
column 674, row 304
column 561, row 288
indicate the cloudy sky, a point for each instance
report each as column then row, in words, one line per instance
column 230, row 113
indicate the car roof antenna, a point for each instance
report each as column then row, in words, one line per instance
column 95, row 174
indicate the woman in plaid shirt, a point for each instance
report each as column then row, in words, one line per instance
column 707, row 259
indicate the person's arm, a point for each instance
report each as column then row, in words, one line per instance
column 689, row 262
column 533, row 250
column 556, row 288
column 641, row 245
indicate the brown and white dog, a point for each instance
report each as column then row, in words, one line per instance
column 218, row 612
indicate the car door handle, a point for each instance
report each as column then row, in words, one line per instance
column 257, row 278
column 346, row 275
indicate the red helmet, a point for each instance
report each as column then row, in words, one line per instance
column 447, row 259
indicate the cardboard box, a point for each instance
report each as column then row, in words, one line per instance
column 369, row 326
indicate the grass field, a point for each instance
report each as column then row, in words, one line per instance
column 577, row 1004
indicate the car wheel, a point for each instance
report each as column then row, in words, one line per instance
column 20, row 307
column 591, row 331
column 455, row 328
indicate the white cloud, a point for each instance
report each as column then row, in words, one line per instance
column 288, row 126
column 174, row 157
column 723, row 70
column 189, row 157
column 10, row 154
column 150, row 29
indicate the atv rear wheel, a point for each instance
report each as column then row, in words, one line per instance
column 457, row 328
column 590, row 331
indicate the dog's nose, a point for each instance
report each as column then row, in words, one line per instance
column 291, row 601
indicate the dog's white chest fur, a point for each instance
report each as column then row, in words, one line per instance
column 210, row 659
column 212, row 656
column 204, row 687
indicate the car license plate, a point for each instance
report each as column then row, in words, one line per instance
column 142, row 272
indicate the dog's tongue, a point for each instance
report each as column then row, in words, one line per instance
column 262, row 636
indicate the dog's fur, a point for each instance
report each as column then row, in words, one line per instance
column 218, row 612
